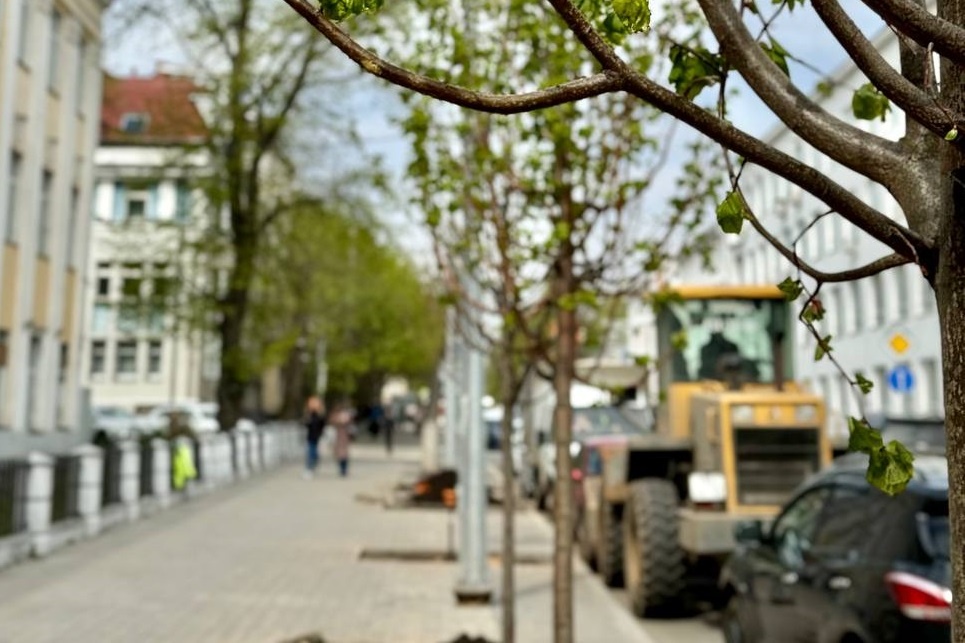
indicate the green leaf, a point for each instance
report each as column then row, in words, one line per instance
column 891, row 468
column 730, row 213
column 825, row 88
column 863, row 383
column 635, row 14
column 868, row 103
column 678, row 341
column 778, row 54
column 338, row 10
column 693, row 69
column 814, row 311
column 952, row 134
column 660, row 299
column 561, row 231
column 861, row 437
column 822, row 349
column 792, row 288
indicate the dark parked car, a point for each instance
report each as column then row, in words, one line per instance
column 845, row 563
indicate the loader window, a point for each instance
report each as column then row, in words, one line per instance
column 721, row 338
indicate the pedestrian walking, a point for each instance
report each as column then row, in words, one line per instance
column 341, row 421
column 314, row 426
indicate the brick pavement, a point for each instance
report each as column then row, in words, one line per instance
column 277, row 556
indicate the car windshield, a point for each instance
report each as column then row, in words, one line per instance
column 923, row 436
column 602, row 421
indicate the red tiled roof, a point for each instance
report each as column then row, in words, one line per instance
column 164, row 99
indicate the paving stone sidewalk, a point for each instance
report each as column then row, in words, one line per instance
column 278, row 556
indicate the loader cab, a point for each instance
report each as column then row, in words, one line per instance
column 733, row 336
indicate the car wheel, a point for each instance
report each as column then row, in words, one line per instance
column 730, row 622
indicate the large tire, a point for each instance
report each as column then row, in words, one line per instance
column 583, row 542
column 653, row 560
column 609, row 554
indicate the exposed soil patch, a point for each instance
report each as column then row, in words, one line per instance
column 442, row 556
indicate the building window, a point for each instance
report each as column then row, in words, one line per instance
column 98, row 357
column 3, row 371
column 103, row 279
column 33, row 378
column 24, row 41
column 43, row 228
column 933, row 388
column 154, row 358
column 845, row 392
column 126, row 358
column 927, row 296
column 901, row 293
column 183, row 201
column 136, row 204
column 881, row 384
column 134, row 122
column 834, row 312
column 54, row 60
column 62, row 384
column 857, row 306
column 131, row 289
column 11, row 231
column 80, row 73
column 878, row 300
column 72, row 225
column 101, row 319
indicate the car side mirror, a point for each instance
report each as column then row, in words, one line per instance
column 749, row 532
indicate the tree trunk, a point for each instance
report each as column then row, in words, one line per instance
column 509, row 395
column 950, row 287
column 563, row 494
column 234, row 310
column 231, row 385
column 294, row 384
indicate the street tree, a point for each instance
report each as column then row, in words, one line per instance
column 536, row 216
column 923, row 171
column 332, row 291
column 258, row 71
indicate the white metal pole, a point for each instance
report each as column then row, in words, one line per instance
column 474, row 584
column 452, row 391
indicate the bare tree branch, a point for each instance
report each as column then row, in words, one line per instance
column 892, row 234
column 872, row 155
column 926, row 29
column 917, row 103
column 563, row 93
column 879, row 265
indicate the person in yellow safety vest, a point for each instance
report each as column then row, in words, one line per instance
column 182, row 467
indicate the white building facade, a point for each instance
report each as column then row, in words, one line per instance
column 49, row 112
column 140, row 350
column 885, row 327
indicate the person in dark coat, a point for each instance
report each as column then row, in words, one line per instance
column 315, row 422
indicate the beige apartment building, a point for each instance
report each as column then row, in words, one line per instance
column 50, row 93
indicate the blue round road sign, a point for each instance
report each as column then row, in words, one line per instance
column 901, row 379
